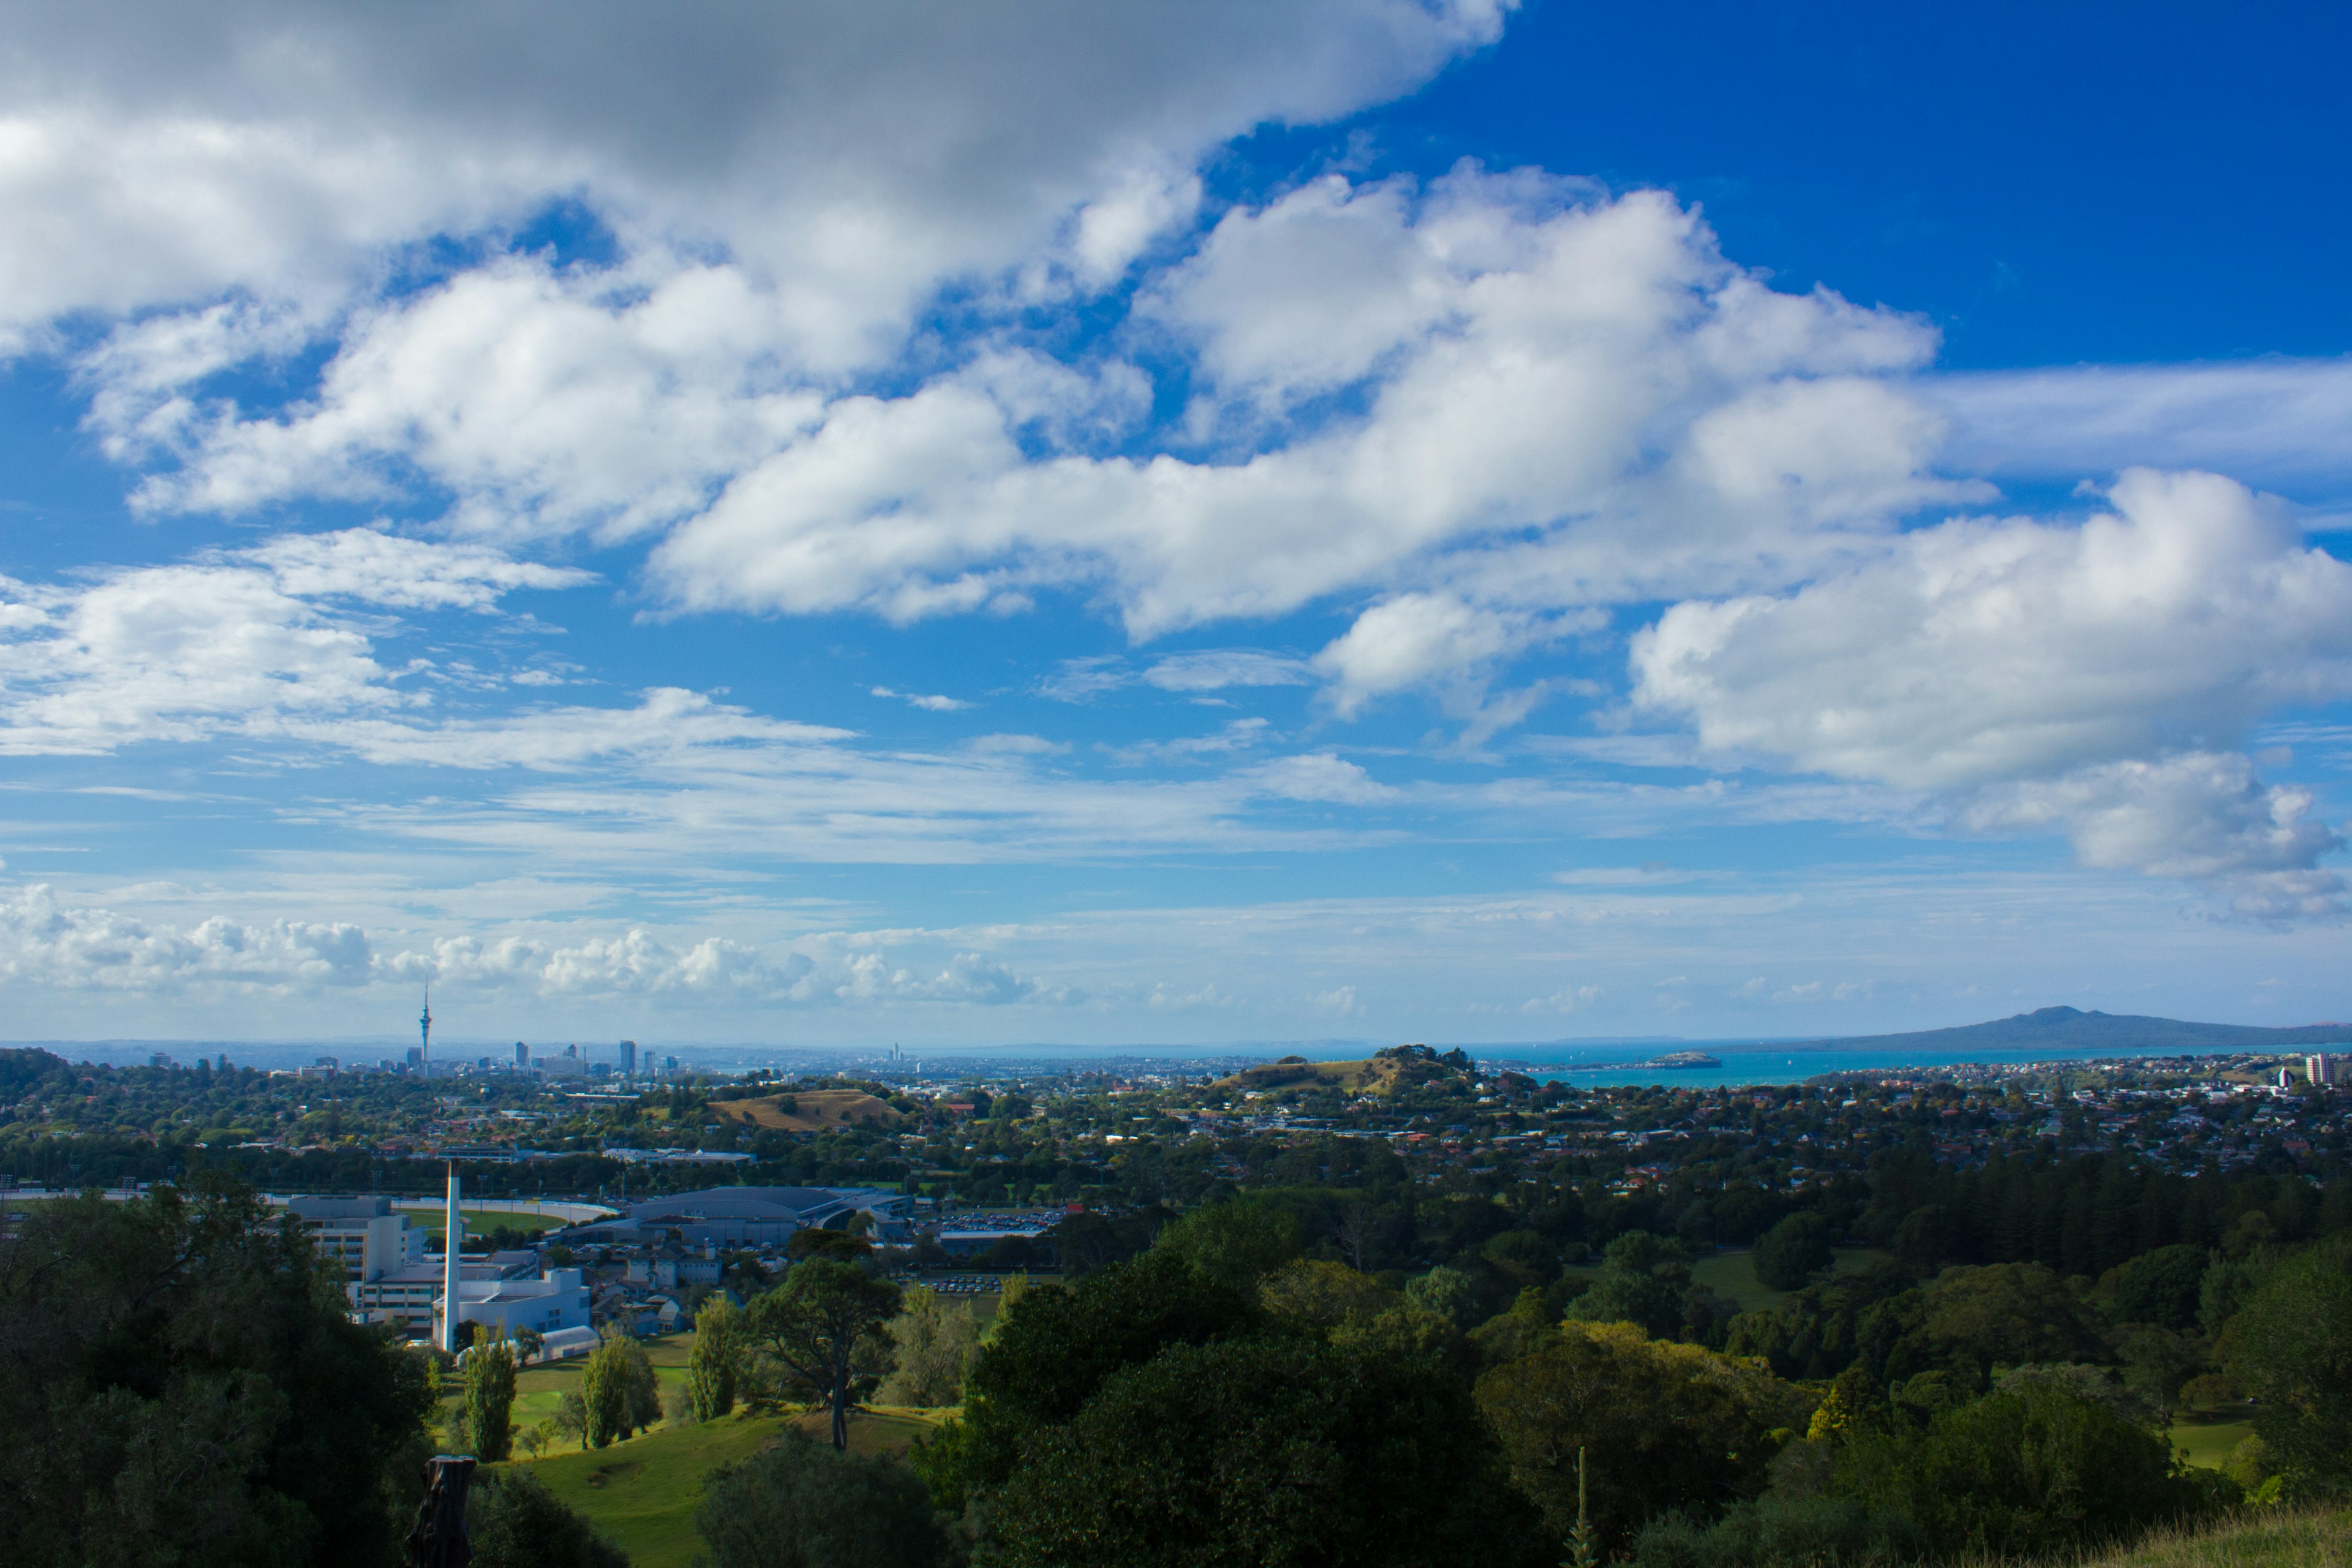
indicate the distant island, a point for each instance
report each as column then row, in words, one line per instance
column 2070, row 1028
column 1672, row 1061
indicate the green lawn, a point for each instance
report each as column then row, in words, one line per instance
column 643, row 1493
column 1733, row 1275
column 2203, row 1440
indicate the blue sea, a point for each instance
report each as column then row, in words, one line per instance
column 1747, row 1062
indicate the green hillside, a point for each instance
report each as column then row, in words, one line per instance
column 2273, row 1539
column 643, row 1493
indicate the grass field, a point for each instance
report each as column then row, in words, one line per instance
column 643, row 1493
column 814, row 1110
column 2207, row 1441
column 1733, row 1275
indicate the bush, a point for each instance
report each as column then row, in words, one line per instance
column 1247, row 1452
column 1779, row 1533
column 803, row 1505
column 513, row 1521
column 2038, row 1471
column 1792, row 1251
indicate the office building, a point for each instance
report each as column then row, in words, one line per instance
column 628, row 1058
column 363, row 1235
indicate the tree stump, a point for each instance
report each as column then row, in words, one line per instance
column 438, row 1539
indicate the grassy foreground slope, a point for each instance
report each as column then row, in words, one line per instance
column 2270, row 1539
column 641, row 1494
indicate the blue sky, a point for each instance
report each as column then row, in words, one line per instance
column 1111, row 524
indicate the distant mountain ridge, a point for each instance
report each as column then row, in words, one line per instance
column 2070, row 1028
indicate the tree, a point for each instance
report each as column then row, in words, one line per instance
column 2291, row 1346
column 2161, row 1288
column 181, row 1374
column 1644, row 1278
column 2037, row 1471
column 489, row 1395
column 640, row 1389
column 2007, row 1314
column 1663, row 1426
column 800, row 1505
column 815, row 1241
column 936, row 1340
column 570, row 1418
column 711, row 1366
column 1245, row 1452
column 1052, row 1347
column 817, row 1323
column 1789, row 1254
column 513, row 1521
column 1234, row 1244
column 604, row 1391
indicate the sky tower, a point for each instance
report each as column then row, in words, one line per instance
column 424, row 1035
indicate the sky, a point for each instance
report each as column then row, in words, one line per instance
column 1429, row 519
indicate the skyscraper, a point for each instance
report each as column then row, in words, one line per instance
column 628, row 1058
column 522, row 1054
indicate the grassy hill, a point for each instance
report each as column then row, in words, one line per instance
column 1378, row 1074
column 814, row 1111
column 2267, row 1539
column 643, row 1493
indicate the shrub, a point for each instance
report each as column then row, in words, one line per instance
column 1791, row 1252
column 513, row 1521
column 803, row 1505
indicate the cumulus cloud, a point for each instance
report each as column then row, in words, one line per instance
column 2198, row 817
column 2084, row 677
column 234, row 643
column 47, row 942
column 853, row 159
column 1979, row 651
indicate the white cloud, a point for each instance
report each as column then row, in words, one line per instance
column 1411, row 639
column 2083, row 677
column 2198, row 817
column 1590, row 377
column 933, row 704
column 228, row 644
column 1216, row 669
column 2276, row 422
column 48, row 943
column 853, row 159
column 1976, row 652
column 1320, row 777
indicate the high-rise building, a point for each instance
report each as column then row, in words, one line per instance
column 669, row 1065
column 522, row 1054
column 628, row 1058
column 2320, row 1069
column 416, row 1058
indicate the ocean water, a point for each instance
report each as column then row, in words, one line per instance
column 1747, row 1062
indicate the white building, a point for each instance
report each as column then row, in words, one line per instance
column 556, row 1300
column 2321, row 1068
column 363, row 1235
